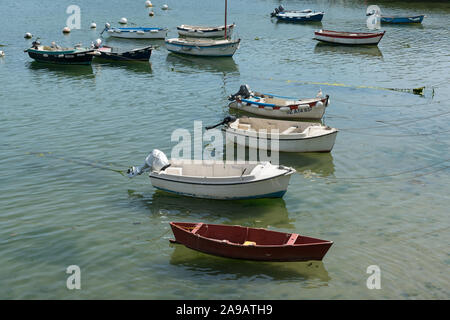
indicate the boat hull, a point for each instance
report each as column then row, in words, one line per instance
column 223, row 50
column 411, row 19
column 323, row 143
column 274, row 187
column 138, row 34
column 84, row 57
column 228, row 242
column 311, row 18
column 306, row 112
column 198, row 33
column 134, row 55
column 349, row 39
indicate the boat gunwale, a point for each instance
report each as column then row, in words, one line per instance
column 269, row 136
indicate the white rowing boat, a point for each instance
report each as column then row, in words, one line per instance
column 292, row 136
column 203, row 47
column 215, row 179
column 281, row 107
column 349, row 38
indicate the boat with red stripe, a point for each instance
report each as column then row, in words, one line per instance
column 349, row 38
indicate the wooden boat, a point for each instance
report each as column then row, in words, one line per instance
column 215, row 179
column 247, row 243
column 110, row 53
column 349, row 38
column 292, row 136
column 281, row 107
column 297, row 16
column 203, row 47
column 56, row 54
column 136, row 32
column 402, row 19
column 205, row 32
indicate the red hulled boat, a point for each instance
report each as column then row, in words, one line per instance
column 248, row 243
column 351, row 38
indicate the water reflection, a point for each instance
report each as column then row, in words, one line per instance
column 329, row 48
column 184, row 63
column 73, row 71
column 306, row 163
column 134, row 66
column 313, row 272
column 258, row 213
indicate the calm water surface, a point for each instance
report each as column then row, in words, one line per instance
column 381, row 195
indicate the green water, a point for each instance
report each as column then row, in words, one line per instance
column 59, row 126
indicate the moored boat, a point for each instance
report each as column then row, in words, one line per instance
column 59, row 55
column 349, row 38
column 136, row 32
column 239, row 242
column 110, row 53
column 220, row 180
column 203, row 47
column 297, row 16
column 291, row 136
column 204, row 32
column 402, row 19
column 275, row 106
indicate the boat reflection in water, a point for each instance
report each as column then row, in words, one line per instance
column 309, row 163
column 337, row 49
column 258, row 213
column 194, row 64
column 134, row 66
column 62, row 70
column 201, row 264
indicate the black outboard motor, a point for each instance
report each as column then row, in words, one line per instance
column 275, row 12
column 226, row 120
column 35, row 44
column 244, row 92
column 280, row 8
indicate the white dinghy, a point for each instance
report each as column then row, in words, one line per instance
column 215, row 179
column 204, row 32
column 292, row 136
column 281, row 107
column 203, row 47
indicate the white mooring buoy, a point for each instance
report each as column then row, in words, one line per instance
column 28, row 35
column 123, row 21
column 148, row 4
column 151, row 13
column 165, row 7
column 93, row 25
column 2, row 54
column 66, row 30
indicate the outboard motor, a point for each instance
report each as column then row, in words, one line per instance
column 107, row 26
column 280, row 8
column 156, row 160
column 275, row 12
column 97, row 44
column 35, row 44
column 226, row 120
column 244, row 92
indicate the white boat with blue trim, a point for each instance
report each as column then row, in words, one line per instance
column 205, row 32
column 136, row 32
column 203, row 47
column 280, row 107
column 219, row 180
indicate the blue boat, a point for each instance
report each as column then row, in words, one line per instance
column 297, row 16
column 400, row 19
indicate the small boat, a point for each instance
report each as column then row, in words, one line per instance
column 220, row 180
column 203, row 47
column 110, row 53
column 348, row 38
column 239, row 242
column 204, row 32
column 292, row 136
column 57, row 54
column 297, row 16
column 281, row 107
column 136, row 32
column 402, row 19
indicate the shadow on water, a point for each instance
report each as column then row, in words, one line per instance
column 231, row 269
column 134, row 66
column 62, row 70
column 317, row 163
column 336, row 49
column 185, row 63
column 260, row 213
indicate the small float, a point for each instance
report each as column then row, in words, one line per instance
column 297, row 16
column 275, row 106
column 292, row 136
column 136, row 32
column 205, row 32
column 239, row 242
column 221, row 180
column 349, row 38
column 59, row 55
